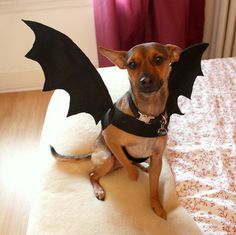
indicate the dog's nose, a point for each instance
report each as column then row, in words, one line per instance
column 148, row 84
column 146, row 81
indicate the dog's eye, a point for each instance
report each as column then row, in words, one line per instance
column 132, row 65
column 158, row 60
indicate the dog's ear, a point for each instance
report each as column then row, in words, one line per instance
column 174, row 52
column 116, row 57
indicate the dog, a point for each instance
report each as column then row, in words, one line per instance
column 148, row 66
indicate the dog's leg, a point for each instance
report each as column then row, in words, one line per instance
column 119, row 154
column 154, row 174
column 103, row 163
column 99, row 171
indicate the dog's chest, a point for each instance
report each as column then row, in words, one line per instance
column 143, row 148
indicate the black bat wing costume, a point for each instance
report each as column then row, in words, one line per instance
column 183, row 75
column 66, row 67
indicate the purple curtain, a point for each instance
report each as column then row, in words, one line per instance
column 121, row 24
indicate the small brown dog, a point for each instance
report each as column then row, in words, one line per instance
column 148, row 66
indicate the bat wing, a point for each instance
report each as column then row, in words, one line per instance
column 183, row 75
column 66, row 67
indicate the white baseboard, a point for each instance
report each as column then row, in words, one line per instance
column 21, row 81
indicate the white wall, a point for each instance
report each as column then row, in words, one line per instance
column 72, row 17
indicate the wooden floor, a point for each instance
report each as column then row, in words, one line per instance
column 21, row 119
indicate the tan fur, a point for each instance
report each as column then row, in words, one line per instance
column 108, row 153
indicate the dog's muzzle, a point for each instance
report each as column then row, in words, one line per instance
column 149, row 83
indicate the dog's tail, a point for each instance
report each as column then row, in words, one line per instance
column 69, row 158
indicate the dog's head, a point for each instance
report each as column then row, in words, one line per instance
column 148, row 65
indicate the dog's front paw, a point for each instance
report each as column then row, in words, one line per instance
column 158, row 209
column 133, row 172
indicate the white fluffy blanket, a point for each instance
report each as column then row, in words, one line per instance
column 65, row 203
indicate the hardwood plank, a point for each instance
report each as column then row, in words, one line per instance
column 21, row 120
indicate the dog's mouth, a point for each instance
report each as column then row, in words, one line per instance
column 150, row 90
column 149, row 85
column 149, row 94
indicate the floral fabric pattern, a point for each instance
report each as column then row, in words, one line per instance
column 202, row 148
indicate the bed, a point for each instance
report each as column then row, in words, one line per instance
column 198, row 185
column 202, row 149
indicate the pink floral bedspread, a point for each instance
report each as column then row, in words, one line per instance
column 202, row 148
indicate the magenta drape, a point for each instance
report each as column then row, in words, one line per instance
column 121, row 24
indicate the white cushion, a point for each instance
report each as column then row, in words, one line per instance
column 65, row 203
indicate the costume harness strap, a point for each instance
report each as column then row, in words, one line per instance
column 134, row 125
column 139, row 125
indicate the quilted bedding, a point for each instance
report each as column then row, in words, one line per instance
column 202, row 148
